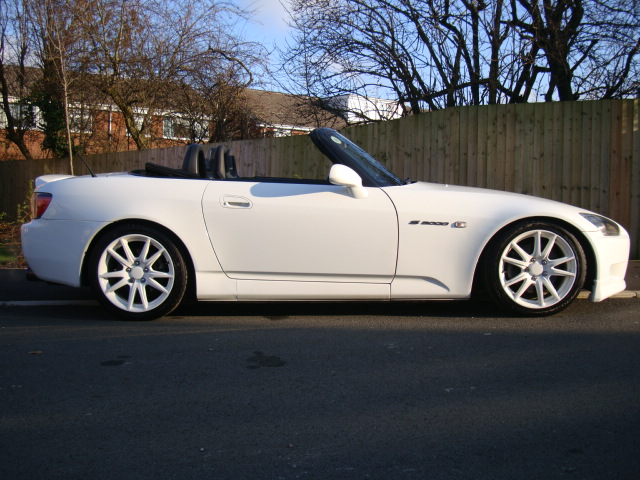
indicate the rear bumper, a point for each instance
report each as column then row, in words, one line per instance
column 55, row 249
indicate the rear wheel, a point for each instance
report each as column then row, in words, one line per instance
column 137, row 272
column 535, row 269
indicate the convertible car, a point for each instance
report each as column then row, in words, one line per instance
column 144, row 239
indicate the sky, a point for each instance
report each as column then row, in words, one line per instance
column 269, row 28
column 270, row 21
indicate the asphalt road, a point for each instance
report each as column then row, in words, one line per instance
column 321, row 391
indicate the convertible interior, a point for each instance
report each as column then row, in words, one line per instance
column 215, row 163
column 218, row 163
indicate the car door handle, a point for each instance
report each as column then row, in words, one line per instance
column 230, row 201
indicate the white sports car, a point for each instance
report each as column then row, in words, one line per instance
column 143, row 239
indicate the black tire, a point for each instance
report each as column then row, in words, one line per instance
column 137, row 272
column 534, row 269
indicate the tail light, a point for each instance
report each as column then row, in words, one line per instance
column 39, row 204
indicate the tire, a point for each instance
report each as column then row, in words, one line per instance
column 137, row 272
column 535, row 269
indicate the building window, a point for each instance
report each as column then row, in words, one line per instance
column 80, row 120
column 139, row 121
column 180, row 128
column 26, row 115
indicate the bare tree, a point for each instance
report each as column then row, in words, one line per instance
column 426, row 54
column 15, row 76
column 141, row 50
column 430, row 54
column 612, row 66
column 39, row 68
column 59, row 43
column 213, row 101
column 142, row 55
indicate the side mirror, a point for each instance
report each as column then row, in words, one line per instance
column 347, row 177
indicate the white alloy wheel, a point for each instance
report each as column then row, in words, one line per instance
column 536, row 269
column 139, row 272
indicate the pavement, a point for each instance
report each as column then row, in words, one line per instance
column 16, row 290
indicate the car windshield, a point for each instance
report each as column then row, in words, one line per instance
column 373, row 167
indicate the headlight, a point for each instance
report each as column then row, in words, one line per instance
column 606, row 226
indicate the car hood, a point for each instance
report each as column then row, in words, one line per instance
column 452, row 203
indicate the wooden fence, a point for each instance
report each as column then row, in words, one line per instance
column 583, row 153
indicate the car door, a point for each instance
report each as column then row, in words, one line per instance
column 301, row 232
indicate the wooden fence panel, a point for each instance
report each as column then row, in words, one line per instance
column 634, row 221
column 583, row 153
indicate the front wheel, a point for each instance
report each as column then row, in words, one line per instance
column 137, row 272
column 535, row 269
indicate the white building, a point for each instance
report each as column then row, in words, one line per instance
column 358, row 109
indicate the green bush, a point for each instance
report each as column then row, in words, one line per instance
column 10, row 248
column 10, row 251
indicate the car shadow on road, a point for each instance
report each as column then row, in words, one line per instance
column 279, row 311
column 282, row 310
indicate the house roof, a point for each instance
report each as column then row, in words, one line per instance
column 280, row 109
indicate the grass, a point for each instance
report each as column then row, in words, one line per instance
column 6, row 257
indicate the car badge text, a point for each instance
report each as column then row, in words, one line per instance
column 438, row 224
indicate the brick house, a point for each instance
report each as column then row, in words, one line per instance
column 100, row 127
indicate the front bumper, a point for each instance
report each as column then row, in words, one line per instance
column 612, row 258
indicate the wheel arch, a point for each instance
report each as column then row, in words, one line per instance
column 184, row 251
column 592, row 265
